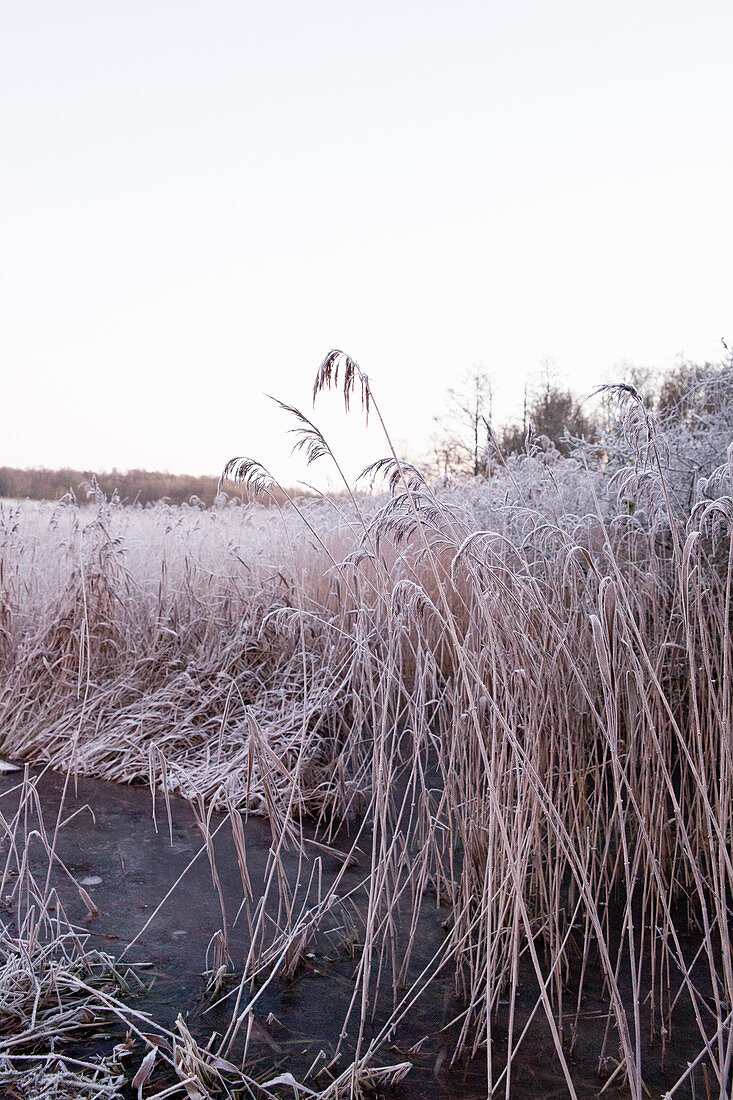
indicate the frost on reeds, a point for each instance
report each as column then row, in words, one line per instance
column 516, row 693
column 55, row 990
column 53, row 986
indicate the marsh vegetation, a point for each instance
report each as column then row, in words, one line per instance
column 500, row 706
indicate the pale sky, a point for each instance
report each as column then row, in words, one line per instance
column 200, row 199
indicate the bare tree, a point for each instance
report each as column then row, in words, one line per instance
column 550, row 411
column 459, row 441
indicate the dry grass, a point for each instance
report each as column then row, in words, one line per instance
column 518, row 692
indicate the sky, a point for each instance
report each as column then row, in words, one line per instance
column 199, row 199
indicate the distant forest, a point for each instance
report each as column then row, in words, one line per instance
column 689, row 397
column 133, row 486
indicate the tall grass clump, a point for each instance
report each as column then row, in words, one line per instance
column 514, row 694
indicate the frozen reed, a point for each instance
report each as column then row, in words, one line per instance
column 516, row 695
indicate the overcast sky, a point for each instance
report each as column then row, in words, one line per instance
column 199, row 199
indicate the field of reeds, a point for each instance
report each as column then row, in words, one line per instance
column 510, row 700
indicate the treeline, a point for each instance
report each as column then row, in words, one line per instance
column 696, row 400
column 132, row 486
column 690, row 397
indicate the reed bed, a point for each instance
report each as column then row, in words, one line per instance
column 515, row 695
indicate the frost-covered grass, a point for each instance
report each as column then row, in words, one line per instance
column 522, row 686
